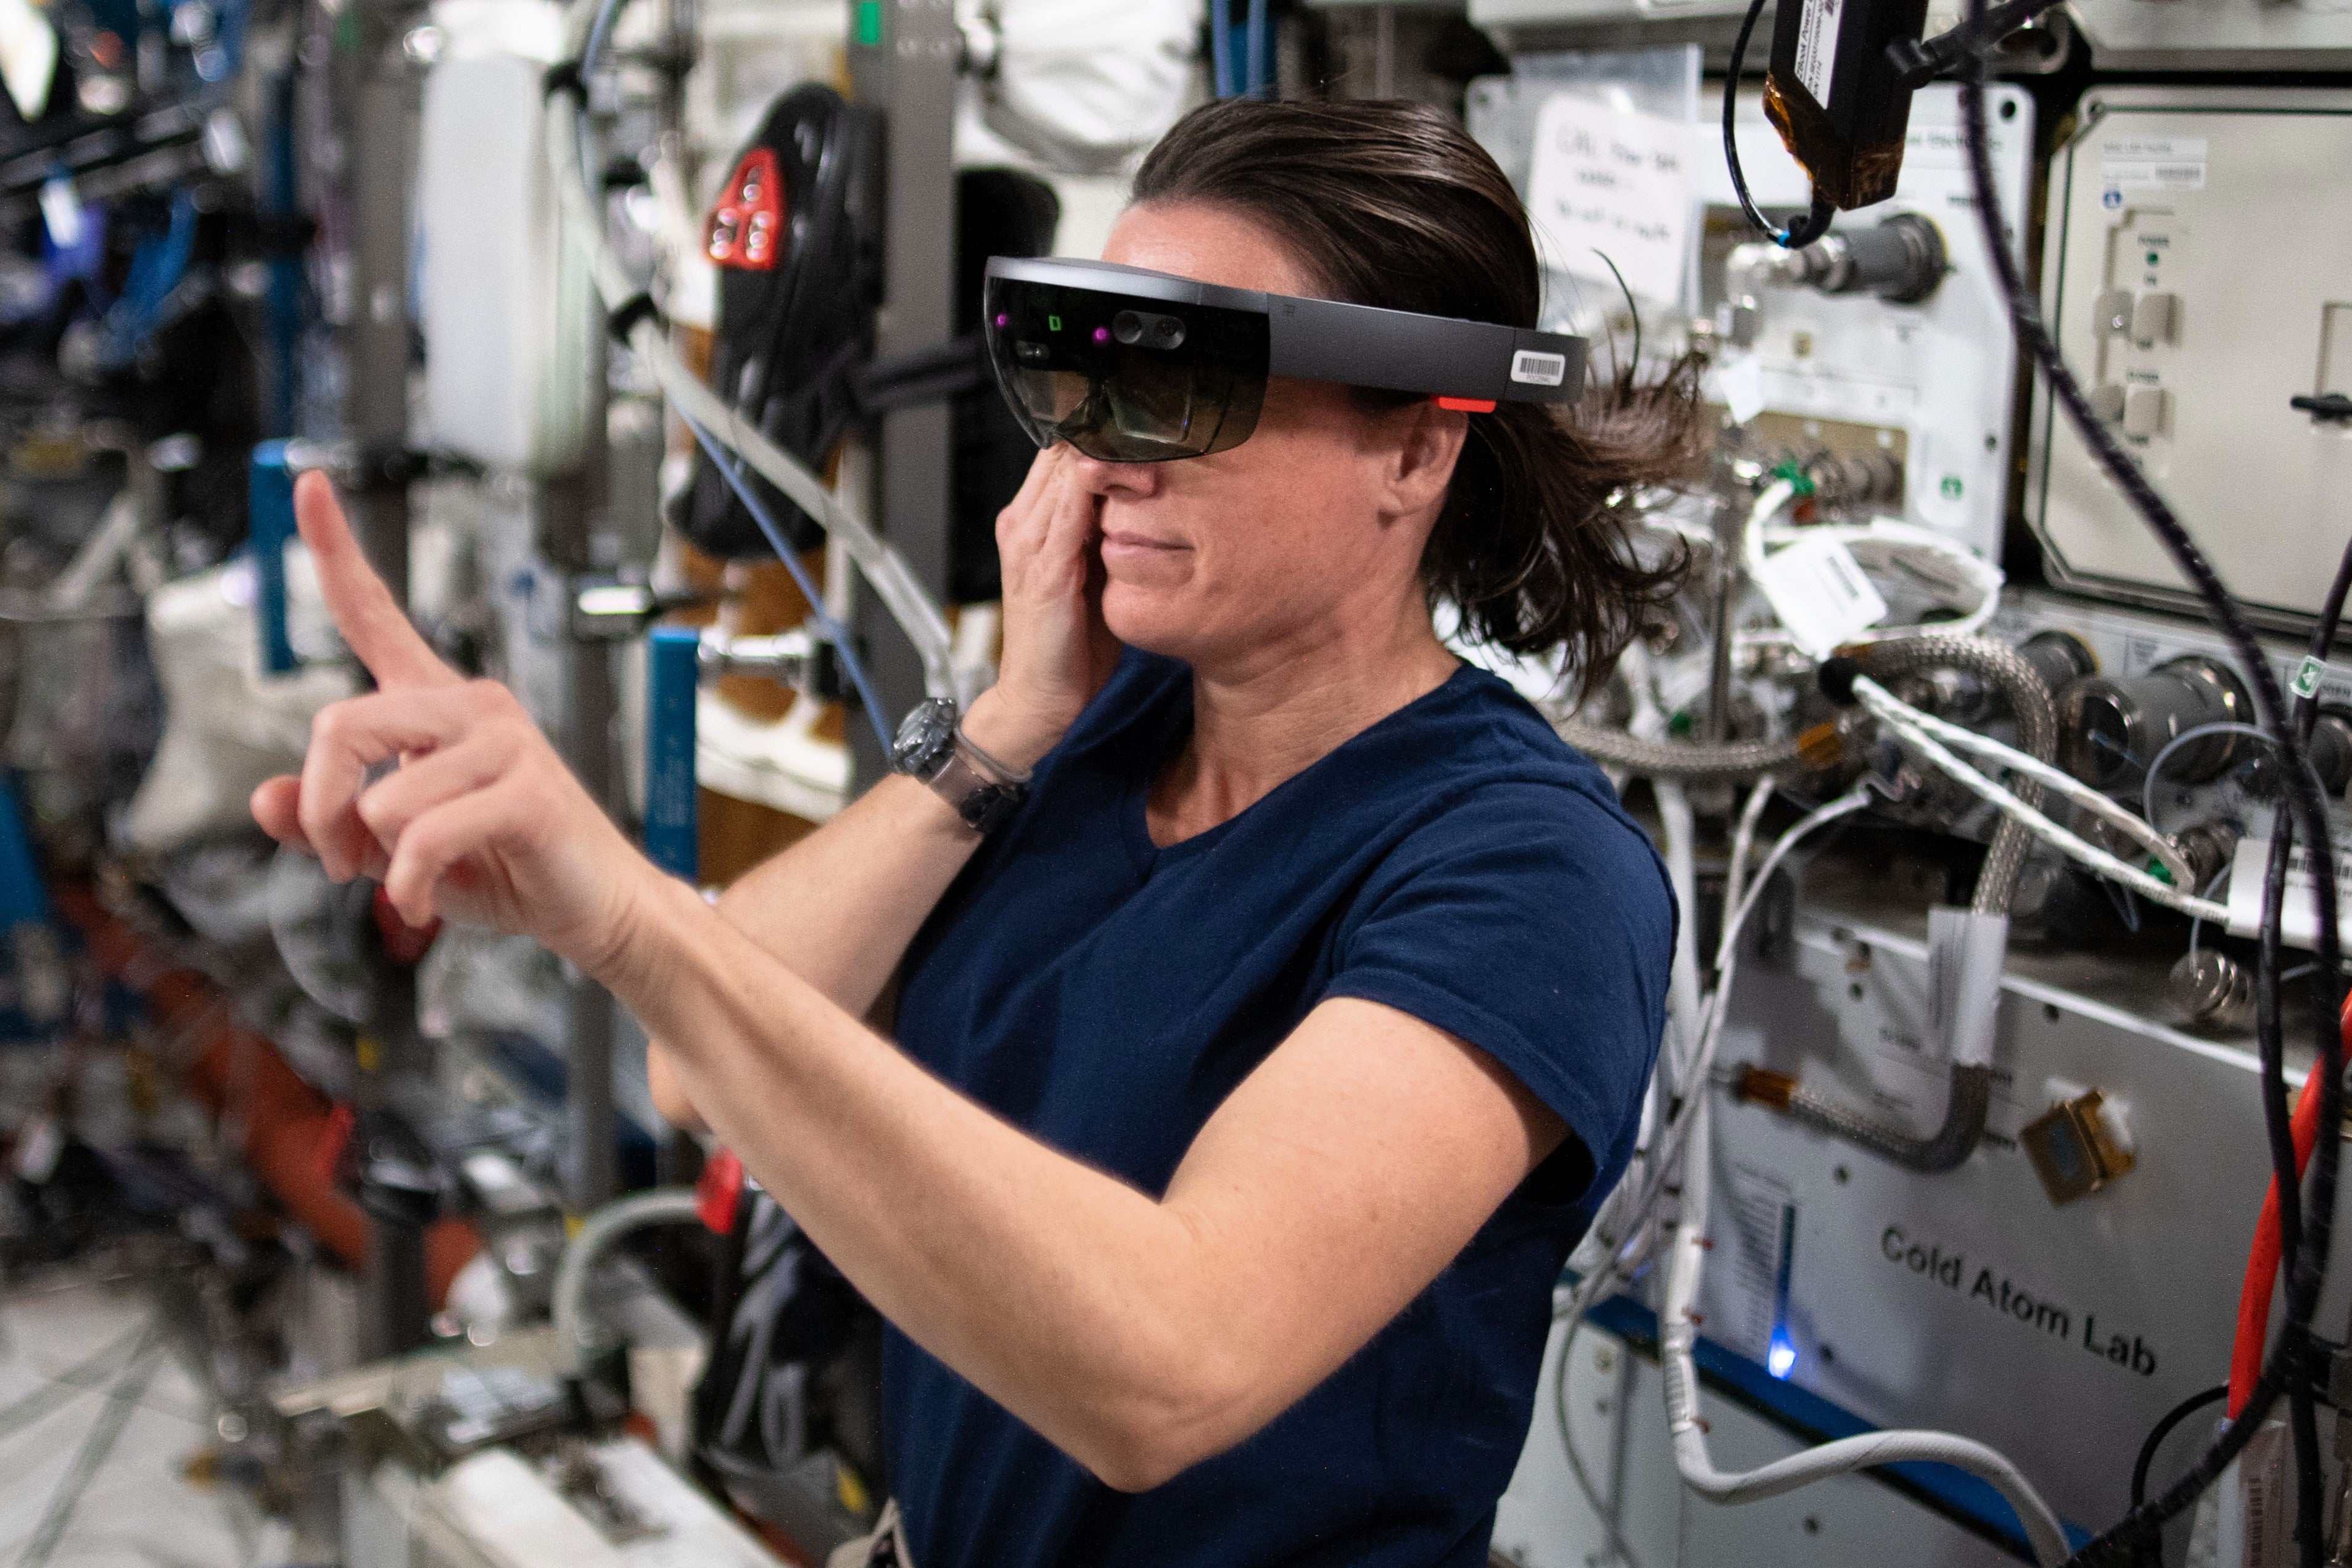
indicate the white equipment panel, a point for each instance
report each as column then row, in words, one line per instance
column 2216, row 35
column 2195, row 277
column 1936, row 380
column 1968, row 1301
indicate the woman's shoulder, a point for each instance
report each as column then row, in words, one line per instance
column 1497, row 781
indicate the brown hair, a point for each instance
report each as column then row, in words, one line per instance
column 1393, row 205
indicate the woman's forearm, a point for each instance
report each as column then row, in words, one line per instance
column 1056, row 1289
column 839, row 907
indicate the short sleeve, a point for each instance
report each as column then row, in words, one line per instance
column 1537, row 925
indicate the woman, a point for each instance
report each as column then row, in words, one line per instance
column 1247, row 1089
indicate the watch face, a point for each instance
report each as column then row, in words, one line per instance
column 925, row 737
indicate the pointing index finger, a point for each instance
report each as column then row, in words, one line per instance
column 370, row 620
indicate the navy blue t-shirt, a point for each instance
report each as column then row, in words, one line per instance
column 1455, row 861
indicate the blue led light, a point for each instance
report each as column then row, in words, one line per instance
column 1780, row 1356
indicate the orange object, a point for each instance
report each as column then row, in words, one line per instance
column 288, row 1125
column 1468, row 404
column 2263, row 1259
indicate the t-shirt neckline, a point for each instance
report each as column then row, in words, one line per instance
column 1135, row 825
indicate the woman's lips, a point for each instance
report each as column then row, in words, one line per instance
column 1121, row 545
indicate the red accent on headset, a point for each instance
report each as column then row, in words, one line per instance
column 746, row 230
column 717, row 1193
column 1468, row 404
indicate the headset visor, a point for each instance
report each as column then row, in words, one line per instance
column 1124, row 378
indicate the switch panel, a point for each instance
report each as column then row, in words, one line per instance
column 2223, row 215
column 2151, row 317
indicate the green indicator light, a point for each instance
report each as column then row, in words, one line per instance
column 869, row 23
column 2152, row 258
column 1951, row 487
column 1052, row 323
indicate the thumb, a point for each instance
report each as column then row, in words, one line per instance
column 370, row 620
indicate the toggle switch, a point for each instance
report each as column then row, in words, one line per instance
column 2112, row 312
column 2152, row 317
column 2107, row 401
column 2145, row 408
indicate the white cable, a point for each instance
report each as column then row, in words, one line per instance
column 893, row 583
column 1627, row 1218
column 1768, row 502
column 1743, row 839
column 2168, row 854
column 1680, row 831
column 1981, row 575
column 1898, row 717
column 1677, row 1336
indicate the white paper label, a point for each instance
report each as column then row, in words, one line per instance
column 1739, row 383
column 2150, row 164
column 1817, row 44
column 2298, row 911
column 1539, row 369
column 1614, row 183
column 1820, row 594
column 1965, row 951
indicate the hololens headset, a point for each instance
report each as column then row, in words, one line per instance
column 1133, row 366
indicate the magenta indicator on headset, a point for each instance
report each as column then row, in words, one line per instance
column 1134, row 366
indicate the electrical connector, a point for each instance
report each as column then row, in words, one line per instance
column 2077, row 1146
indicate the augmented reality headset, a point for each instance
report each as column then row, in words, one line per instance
column 1134, row 366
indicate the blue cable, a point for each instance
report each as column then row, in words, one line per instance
column 730, row 469
column 1221, row 48
column 1254, row 72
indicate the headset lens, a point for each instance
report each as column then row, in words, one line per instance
column 1123, row 379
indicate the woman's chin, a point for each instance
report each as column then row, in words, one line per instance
column 1152, row 619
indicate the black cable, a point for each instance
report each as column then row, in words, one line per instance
column 2150, row 1552
column 1816, row 223
column 2303, row 801
column 2302, row 1414
column 2163, row 1429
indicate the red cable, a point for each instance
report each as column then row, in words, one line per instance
column 2262, row 1261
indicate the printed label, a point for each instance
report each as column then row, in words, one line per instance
column 1817, row 45
column 1739, row 387
column 2298, row 906
column 2151, row 164
column 1539, row 369
column 1818, row 590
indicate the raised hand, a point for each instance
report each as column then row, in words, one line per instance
column 481, row 821
column 1058, row 651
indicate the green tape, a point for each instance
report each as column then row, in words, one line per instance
column 869, row 23
column 2306, row 678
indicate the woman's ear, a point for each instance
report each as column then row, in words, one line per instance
column 1428, row 443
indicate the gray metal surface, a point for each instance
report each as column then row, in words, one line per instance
column 1968, row 1301
column 911, row 75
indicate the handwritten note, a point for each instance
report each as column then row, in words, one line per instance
column 1614, row 181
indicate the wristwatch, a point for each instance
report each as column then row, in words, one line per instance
column 932, row 748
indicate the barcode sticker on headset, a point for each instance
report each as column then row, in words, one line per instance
column 1539, row 369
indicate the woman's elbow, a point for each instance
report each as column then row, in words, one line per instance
column 1149, row 1439
column 669, row 1095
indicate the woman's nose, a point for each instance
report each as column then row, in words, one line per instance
column 1132, row 481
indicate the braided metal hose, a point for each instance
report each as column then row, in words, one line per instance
column 1971, row 1095
column 1737, row 762
column 2037, row 734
